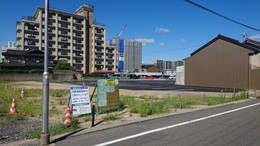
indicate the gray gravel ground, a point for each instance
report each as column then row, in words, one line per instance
column 13, row 131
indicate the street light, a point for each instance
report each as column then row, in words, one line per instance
column 45, row 137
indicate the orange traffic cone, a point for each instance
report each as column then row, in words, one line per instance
column 22, row 93
column 13, row 108
column 67, row 119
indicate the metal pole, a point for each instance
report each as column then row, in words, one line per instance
column 45, row 137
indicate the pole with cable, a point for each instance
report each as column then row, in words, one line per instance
column 45, row 137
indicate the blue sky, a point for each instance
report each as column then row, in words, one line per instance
column 170, row 29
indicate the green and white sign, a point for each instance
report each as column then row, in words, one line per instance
column 11, row 44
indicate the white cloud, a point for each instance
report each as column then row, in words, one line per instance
column 161, row 44
column 145, row 41
column 183, row 40
column 255, row 37
column 162, row 30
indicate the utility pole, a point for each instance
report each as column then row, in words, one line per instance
column 45, row 137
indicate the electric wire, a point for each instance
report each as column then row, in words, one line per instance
column 222, row 16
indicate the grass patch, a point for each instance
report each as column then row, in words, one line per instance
column 31, row 105
column 145, row 106
column 54, row 130
column 111, row 117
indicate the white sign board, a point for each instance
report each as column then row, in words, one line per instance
column 80, row 100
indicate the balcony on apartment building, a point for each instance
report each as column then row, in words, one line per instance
column 99, row 57
column 31, row 36
column 99, row 44
column 110, row 52
column 99, row 39
column 77, row 34
column 77, row 48
column 31, row 43
column 77, row 61
column 65, row 19
column 78, row 21
column 33, row 28
column 64, row 26
column 64, row 39
column 77, row 41
column 64, row 32
column 64, row 54
column 77, row 55
column 99, row 51
column 110, row 57
column 78, row 28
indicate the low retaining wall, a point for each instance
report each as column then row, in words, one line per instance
column 60, row 76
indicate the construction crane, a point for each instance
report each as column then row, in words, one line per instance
column 123, row 29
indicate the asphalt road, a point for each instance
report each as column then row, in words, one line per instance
column 159, row 85
column 231, row 125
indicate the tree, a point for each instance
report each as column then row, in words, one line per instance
column 63, row 66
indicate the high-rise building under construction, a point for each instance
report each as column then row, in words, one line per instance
column 130, row 56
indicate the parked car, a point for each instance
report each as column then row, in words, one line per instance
column 172, row 78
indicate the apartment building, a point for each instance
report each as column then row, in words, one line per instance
column 104, row 56
column 73, row 38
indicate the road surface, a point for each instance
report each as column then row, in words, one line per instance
column 231, row 125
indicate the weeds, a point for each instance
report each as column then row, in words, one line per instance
column 111, row 117
column 54, row 130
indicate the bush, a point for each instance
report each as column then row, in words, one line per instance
column 63, row 66
column 144, row 109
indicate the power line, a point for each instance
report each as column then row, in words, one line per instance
column 222, row 16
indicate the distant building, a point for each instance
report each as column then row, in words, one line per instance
column 177, row 63
column 149, row 68
column 159, row 64
column 130, row 55
column 24, row 60
column 10, row 46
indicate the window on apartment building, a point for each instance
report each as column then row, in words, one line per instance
column 64, row 25
column 78, row 41
column 78, row 20
column 64, row 32
column 62, row 52
column 32, row 27
column 78, row 34
column 65, row 39
column 77, row 60
column 77, row 27
column 65, row 46
column 78, row 54
column 31, row 43
column 78, row 47
column 31, row 36
column 64, row 18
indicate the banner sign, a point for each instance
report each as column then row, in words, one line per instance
column 80, row 100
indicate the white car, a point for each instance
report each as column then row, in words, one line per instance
column 172, row 77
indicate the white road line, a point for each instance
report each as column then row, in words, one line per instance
column 175, row 125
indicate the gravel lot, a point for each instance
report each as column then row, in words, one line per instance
column 13, row 131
